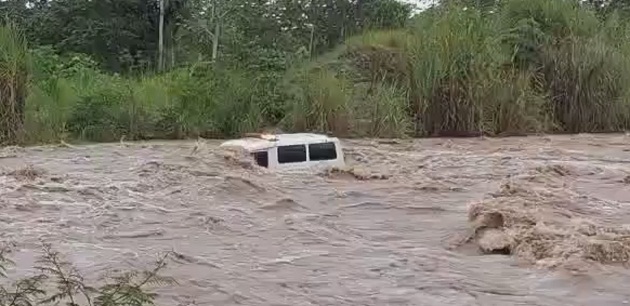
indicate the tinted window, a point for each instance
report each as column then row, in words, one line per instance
column 322, row 151
column 262, row 158
column 291, row 154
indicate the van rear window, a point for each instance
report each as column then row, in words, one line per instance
column 262, row 158
column 322, row 151
column 291, row 154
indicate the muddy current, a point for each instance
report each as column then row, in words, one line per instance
column 513, row 221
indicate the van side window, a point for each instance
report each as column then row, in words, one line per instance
column 262, row 158
column 291, row 154
column 322, row 151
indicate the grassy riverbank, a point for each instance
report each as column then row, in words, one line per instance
column 523, row 66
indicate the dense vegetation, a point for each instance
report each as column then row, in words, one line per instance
column 513, row 66
column 102, row 70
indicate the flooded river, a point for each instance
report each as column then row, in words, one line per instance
column 391, row 232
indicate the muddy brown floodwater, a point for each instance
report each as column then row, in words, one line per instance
column 394, row 231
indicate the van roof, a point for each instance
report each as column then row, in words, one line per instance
column 275, row 140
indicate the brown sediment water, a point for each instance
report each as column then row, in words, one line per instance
column 512, row 221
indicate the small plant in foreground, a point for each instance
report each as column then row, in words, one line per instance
column 59, row 283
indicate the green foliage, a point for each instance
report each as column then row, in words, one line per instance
column 588, row 83
column 321, row 104
column 514, row 66
column 385, row 112
column 57, row 281
column 122, row 36
column 94, row 74
column 14, row 67
column 214, row 102
column 201, row 100
column 385, row 14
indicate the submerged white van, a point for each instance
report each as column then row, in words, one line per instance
column 291, row 151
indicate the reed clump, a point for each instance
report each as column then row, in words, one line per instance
column 523, row 66
column 13, row 83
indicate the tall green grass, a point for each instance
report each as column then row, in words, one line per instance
column 321, row 103
column 527, row 66
column 92, row 106
column 14, row 66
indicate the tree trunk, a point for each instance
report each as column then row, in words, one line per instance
column 216, row 19
column 215, row 40
column 161, row 37
column 311, row 42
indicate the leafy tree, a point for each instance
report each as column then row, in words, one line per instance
column 123, row 35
